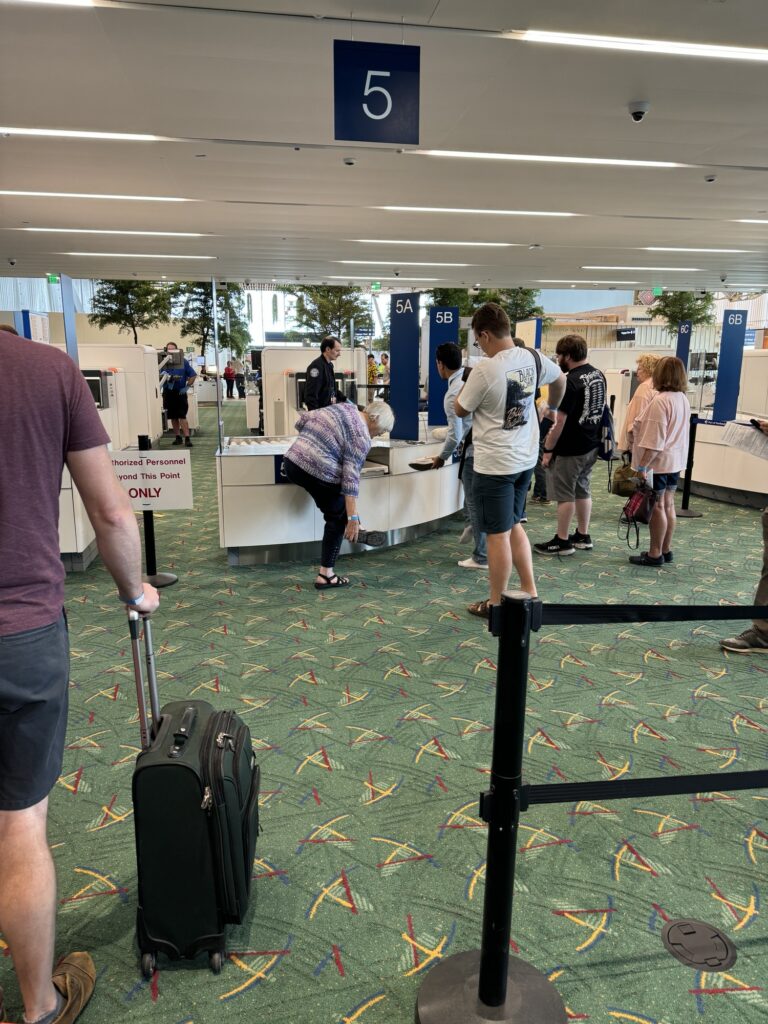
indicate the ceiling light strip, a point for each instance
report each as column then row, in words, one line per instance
column 669, row 248
column 61, row 133
column 494, row 213
column 592, row 161
column 392, row 241
column 398, row 263
column 137, row 255
column 681, row 270
column 104, row 231
column 93, row 195
column 708, row 51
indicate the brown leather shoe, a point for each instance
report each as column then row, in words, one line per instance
column 75, row 979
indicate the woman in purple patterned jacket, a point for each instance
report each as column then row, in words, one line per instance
column 326, row 459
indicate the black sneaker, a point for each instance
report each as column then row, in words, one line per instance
column 178, row 439
column 187, row 442
column 555, row 547
column 582, row 541
column 668, row 556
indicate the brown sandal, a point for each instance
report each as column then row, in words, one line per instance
column 480, row 608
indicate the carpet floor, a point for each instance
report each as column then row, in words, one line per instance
column 371, row 711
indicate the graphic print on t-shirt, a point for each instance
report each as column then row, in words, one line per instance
column 521, row 385
column 593, row 384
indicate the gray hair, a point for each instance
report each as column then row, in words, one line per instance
column 383, row 415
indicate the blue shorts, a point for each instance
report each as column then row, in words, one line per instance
column 665, row 481
column 500, row 500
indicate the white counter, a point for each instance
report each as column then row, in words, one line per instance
column 262, row 520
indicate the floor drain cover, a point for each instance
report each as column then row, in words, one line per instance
column 697, row 944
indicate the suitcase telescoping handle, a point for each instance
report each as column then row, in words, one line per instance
column 141, row 699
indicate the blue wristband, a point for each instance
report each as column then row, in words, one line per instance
column 132, row 601
column 354, row 517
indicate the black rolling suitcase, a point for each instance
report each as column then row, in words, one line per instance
column 196, row 814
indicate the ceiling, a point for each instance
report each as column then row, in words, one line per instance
column 244, row 99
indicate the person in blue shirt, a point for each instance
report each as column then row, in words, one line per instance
column 175, row 402
column 448, row 359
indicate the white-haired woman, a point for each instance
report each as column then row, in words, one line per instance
column 326, row 459
column 641, row 399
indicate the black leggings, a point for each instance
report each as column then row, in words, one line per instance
column 330, row 501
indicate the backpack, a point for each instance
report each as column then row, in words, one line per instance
column 607, row 449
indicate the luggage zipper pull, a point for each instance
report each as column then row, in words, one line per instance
column 223, row 740
column 207, row 803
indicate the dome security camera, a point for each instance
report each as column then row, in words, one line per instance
column 638, row 109
column 11, row 262
column 349, row 161
column 723, row 277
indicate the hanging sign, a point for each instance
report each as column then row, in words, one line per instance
column 376, row 92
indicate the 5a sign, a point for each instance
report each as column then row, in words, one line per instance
column 376, row 92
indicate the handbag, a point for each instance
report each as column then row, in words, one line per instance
column 625, row 479
column 638, row 509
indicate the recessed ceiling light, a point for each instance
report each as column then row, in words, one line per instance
column 668, row 248
column 60, row 133
column 682, row 270
column 495, row 213
column 100, row 231
column 459, row 154
column 677, row 49
column 749, row 220
column 398, row 263
column 569, row 280
column 392, row 241
column 137, row 255
column 93, row 195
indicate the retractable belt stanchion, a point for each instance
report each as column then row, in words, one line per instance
column 157, row 579
column 684, row 512
column 489, row 984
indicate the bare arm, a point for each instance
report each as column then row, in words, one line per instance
column 557, row 391
column 112, row 517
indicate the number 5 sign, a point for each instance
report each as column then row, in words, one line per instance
column 376, row 92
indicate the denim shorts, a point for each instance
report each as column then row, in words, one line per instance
column 500, row 500
column 666, row 481
column 34, row 697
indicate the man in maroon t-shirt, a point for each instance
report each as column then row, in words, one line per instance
column 47, row 419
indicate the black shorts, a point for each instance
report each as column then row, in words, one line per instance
column 34, row 696
column 176, row 405
column 500, row 500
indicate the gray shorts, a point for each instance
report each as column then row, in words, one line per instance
column 569, row 476
column 34, row 691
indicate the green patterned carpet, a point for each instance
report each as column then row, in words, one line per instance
column 371, row 710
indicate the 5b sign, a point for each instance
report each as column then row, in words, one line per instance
column 376, row 92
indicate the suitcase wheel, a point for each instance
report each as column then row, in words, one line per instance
column 216, row 960
column 148, row 965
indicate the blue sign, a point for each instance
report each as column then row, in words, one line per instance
column 683, row 350
column 443, row 326
column 749, row 338
column 729, row 364
column 404, row 362
column 376, row 92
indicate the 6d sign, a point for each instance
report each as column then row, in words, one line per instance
column 376, row 92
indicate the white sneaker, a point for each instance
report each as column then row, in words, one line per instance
column 466, row 534
column 470, row 563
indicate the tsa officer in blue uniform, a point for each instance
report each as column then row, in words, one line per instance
column 321, row 387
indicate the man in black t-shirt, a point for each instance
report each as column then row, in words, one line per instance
column 570, row 447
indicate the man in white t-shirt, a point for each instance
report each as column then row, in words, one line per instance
column 500, row 394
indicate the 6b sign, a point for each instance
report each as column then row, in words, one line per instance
column 376, row 92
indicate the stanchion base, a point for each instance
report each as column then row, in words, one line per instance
column 688, row 513
column 161, row 579
column 448, row 995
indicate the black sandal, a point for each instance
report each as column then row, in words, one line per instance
column 332, row 582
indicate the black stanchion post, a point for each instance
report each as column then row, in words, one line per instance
column 684, row 512
column 157, row 579
column 489, row 984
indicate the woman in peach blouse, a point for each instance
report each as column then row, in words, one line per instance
column 660, row 445
column 639, row 400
